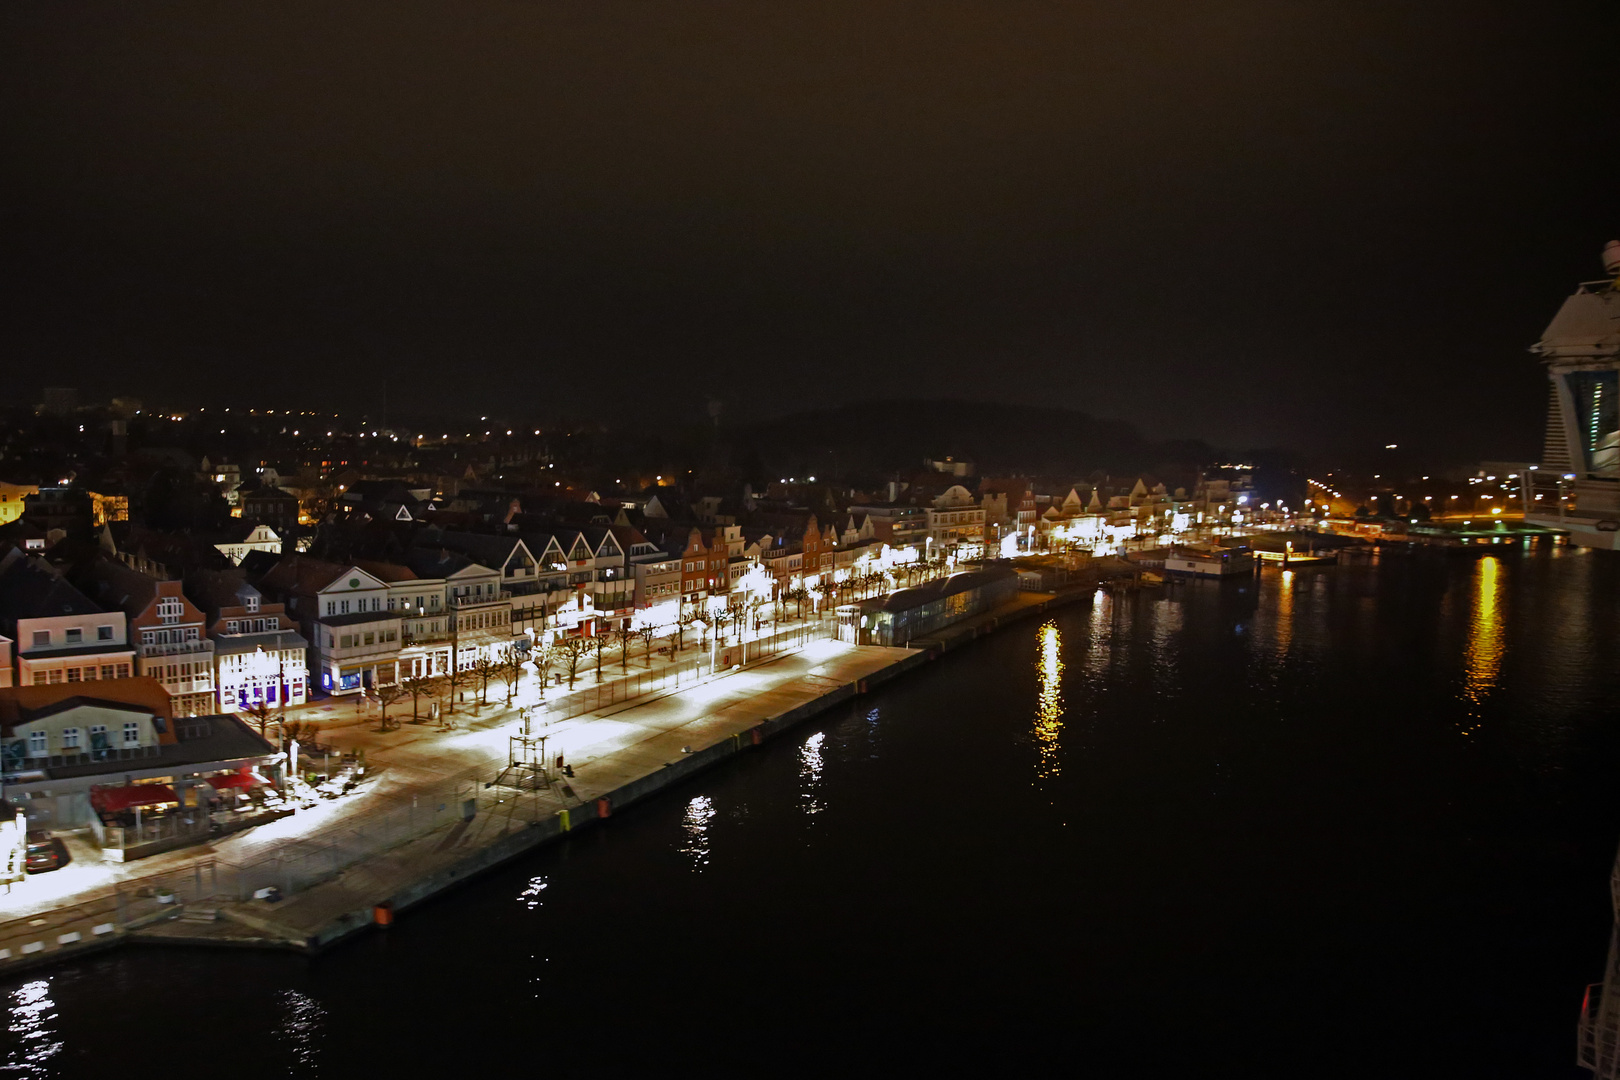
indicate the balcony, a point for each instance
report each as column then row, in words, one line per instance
column 479, row 601
column 407, row 641
column 178, row 649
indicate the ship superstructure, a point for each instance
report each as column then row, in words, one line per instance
column 1577, row 485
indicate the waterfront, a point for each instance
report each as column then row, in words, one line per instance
column 1356, row 822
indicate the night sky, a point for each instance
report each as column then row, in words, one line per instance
column 1314, row 224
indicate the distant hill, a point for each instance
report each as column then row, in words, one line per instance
column 884, row 436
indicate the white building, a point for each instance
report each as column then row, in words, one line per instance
column 342, row 612
column 955, row 519
column 251, row 538
column 259, row 656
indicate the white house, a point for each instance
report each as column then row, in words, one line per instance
column 259, row 656
column 955, row 519
column 252, row 537
column 354, row 640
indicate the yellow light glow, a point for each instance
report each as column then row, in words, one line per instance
column 1049, row 705
column 1482, row 658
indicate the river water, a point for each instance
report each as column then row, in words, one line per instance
column 1348, row 821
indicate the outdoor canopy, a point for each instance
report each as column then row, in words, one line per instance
column 230, row 780
column 112, row 800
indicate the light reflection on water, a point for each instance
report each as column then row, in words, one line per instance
column 699, row 812
column 810, row 769
column 1285, row 613
column 30, row 1028
column 1482, row 658
column 302, row 1030
column 1049, row 706
column 1099, row 636
column 531, row 892
column 531, row 898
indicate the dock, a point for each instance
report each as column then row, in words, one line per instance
column 618, row 756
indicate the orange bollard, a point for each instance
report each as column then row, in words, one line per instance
column 604, row 807
column 756, row 735
column 383, row 914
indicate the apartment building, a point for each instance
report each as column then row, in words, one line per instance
column 169, row 632
column 11, row 500
column 354, row 640
column 259, row 655
column 59, row 634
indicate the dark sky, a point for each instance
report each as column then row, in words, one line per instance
column 1305, row 223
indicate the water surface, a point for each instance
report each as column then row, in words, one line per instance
column 1350, row 821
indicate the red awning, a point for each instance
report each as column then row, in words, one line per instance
column 112, row 800
column 230, row 780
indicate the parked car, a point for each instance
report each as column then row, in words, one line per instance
column 42, row 854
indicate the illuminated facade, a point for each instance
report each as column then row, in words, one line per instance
column 259, row 656
column 1577, row 485
column 11, row 500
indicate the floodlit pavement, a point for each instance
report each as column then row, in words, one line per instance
column 606, row 749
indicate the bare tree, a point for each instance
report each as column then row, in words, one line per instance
column 420, row 686
column 259, row 713
column 387, row 694
column 599, row 642
column 305, row 733
column 624, row 635
column 544, row 658
column 571, row 653
column 453, row 679
column 647, row 633
column 483, row 669
column 510, row 668
column 681, row 623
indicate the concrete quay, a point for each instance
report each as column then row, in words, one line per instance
column 620, row 755
column 619, row 758
column 633, row 753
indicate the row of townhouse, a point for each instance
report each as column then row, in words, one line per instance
column 219, row 643
column 139, row 626
column 370, row 623
column 202, row 651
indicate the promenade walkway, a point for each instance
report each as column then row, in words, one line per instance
column 607, row 753
column 428, row 815
column 413, row 767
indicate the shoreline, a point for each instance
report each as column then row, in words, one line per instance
column 414, row 872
